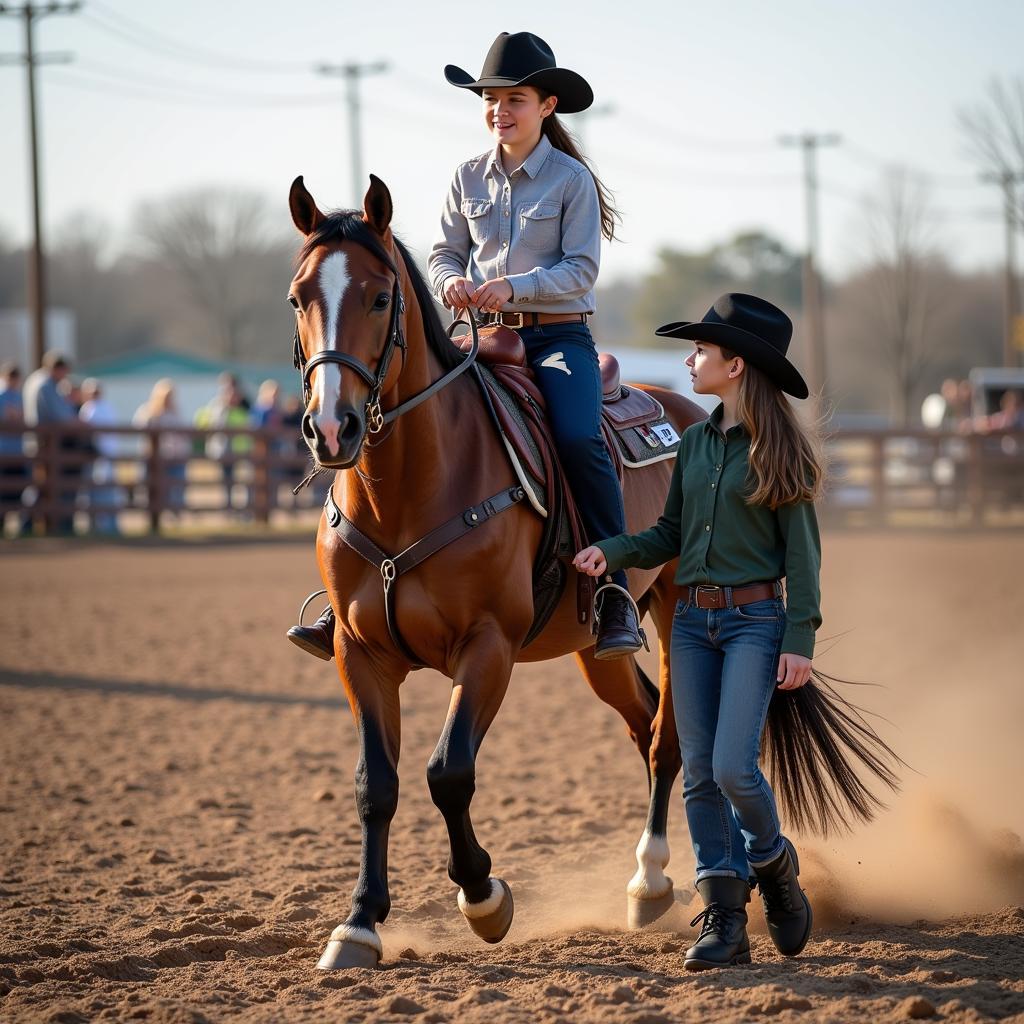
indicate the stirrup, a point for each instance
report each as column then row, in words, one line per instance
column 636, row 611
column 309, row 600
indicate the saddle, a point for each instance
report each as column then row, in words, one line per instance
column 636, row 433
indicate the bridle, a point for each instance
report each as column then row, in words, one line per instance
column 376, row 418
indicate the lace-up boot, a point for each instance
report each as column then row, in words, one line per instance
column 723, row 935
column 786, row 908
column 618, row 631
column 318, row 638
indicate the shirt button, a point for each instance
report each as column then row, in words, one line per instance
column 712, row 487
column 506, row 213
column 707, row 526
column 719, row 467
column 503, row 244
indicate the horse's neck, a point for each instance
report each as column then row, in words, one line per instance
column 400, row 473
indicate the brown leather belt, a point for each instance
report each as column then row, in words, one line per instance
column 705, row 596
column 520, row 320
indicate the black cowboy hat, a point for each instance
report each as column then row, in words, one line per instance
column 521, row 58
column 752, row 328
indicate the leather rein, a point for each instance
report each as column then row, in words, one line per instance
column 392, row 567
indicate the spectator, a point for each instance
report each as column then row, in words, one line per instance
column 104, row 495
column 47, row 404
column 160, row 411
column 1011, row 412
column 14, row 476
column 267, row 412
column 228, row 408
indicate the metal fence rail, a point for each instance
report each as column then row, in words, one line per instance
column 68, row 477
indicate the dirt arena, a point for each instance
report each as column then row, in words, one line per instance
column 179, row 839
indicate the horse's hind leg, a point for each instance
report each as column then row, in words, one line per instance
column 480, row 681
column 652, row 852
column 647, row 711
column 375, row 705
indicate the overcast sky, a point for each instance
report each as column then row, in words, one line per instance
column 163, row 97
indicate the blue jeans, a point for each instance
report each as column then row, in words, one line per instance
column 724, row 664
column 564, row 359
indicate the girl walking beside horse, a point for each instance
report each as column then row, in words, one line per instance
column 739, row 517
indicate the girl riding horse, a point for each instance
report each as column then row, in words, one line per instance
column 520, row 245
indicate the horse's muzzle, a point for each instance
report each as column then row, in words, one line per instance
column 335, row 441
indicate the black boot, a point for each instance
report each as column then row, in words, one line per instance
column 786, row 908
column 723, row 935
column 618, row 632
column 317, row 639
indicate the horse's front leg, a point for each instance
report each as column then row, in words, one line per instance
column 372, row 689
column 479, row 684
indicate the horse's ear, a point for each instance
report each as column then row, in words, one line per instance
column 377, row 208
column 305, row 214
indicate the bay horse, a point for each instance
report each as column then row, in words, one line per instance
column 388, row 408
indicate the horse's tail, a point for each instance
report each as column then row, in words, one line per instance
column 814, row 742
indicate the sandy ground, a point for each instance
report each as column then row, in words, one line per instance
column 178, row 835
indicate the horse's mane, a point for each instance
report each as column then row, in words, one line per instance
column 349, row 226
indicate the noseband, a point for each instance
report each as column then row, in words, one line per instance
column 376, row 418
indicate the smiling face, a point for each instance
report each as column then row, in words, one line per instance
column 514, row 115
column 713, row 370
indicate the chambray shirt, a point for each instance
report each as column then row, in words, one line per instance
column 539, row 228
column 722, row 540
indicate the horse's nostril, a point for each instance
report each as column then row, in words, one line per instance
column 308, row 430
column 350, row 428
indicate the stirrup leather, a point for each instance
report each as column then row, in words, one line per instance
column 629, row 597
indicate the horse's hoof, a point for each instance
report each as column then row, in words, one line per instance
column 351, row 947
column 492, row 918
column 644, row 913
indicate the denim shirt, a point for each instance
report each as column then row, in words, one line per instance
column 539, row 228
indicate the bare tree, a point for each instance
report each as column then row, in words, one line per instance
column 898, row 222
column 221, row 246
column 994, row 130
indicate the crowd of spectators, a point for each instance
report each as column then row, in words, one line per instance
column 94, row 479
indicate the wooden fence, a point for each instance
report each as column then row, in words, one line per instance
column 80, row 478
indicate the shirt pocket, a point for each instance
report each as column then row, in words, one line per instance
column 540, row 226
column 478, row 215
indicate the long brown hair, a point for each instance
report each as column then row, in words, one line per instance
column 561, row 138
column 786, row 457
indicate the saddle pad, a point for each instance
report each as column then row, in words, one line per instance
column 642, row 431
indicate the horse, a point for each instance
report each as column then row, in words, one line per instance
column 390, row 409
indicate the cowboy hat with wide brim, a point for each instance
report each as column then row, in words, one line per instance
column 752, row 328
column 521, row 58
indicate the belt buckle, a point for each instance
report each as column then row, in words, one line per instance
column 710, row 587
column 515, row 326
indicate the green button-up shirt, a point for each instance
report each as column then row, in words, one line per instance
column 722, row 540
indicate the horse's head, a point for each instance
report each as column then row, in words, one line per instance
column 348, row 309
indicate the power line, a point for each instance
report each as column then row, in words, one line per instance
column 114, row 23
column 29, row 13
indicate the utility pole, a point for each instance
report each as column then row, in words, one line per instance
column 29, row 12
column 1008, row 180
column 811, row 287
column 352, row 73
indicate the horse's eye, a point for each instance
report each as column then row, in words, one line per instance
column 382, row 301
column 293, row 302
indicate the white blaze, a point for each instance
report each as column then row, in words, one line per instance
column 334, row 280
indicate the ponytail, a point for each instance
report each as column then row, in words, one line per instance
column 561, row 138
